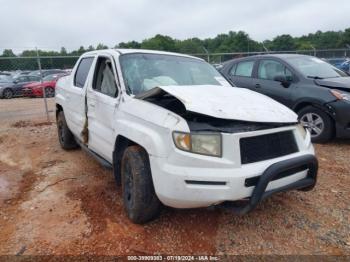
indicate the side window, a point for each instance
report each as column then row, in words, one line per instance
column 82, row 71
column 269, row 69
column 104, row 78
column 34, row 78
column 22, row 79
column 244, row 69
column 233, row 70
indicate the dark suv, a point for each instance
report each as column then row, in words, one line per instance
column 317, row 91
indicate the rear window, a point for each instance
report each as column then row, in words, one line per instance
column 244, row 69
column 82, row 71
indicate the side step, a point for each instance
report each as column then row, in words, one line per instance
column 100, row 159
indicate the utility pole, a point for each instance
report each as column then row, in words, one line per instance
column 206, row 51
column 346, row 53
column 313, row 48
column 42, row 86
column 266, row 50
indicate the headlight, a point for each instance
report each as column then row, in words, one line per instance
column 340, row 95
column 199, row 143
column 303, row 131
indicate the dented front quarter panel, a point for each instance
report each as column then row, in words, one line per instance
column 149, row 125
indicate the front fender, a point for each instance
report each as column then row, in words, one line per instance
column 154, row 139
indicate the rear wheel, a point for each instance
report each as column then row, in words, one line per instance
column 140, row 200
column 8, row 93
column 65, row 136
column 318, row 122
column 49, row 92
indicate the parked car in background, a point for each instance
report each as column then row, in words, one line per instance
column 47, row 72
column 217, row 66
column 36, row 89
column 176, row 132
column 345, row 66
column 18, row 73
column 4, row 74
column 5, row 78
column 14, row 87
column 317, row 91
column 340, row 63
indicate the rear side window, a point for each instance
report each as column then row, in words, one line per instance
column 82, row 71
column 244, row 69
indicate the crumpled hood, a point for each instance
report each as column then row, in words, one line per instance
column 339, row 82
column 227, row 103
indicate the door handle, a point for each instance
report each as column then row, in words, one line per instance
column 257, row 85
column 92, row 105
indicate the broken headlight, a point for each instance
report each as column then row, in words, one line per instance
column 303, row 131
column 340, row 95
column 199, row 143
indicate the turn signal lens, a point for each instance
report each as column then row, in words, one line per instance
column 182, row 141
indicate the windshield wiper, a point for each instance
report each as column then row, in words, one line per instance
column 315, row 77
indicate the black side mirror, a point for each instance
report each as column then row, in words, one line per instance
column 16, row 81
column 285, row 82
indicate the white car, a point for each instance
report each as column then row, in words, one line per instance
column 176, row 133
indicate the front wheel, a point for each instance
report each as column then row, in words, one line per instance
column 49, row 92
column 318, row 122
column 140, row 200
column 8, row 93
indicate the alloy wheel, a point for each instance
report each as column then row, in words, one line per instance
column 49, row 92
column 314, row 123
column 8, row 94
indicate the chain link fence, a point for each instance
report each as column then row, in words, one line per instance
column 324, row 54
column 31, row 70
column 25, row 78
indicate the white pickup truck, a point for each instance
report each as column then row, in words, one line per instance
column 176, row 133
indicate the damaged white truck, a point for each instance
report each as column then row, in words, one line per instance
column 176, row 133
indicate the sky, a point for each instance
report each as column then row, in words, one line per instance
column 25, row 24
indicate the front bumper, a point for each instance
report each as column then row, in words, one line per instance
column 308, row 161
column 29, row 92
column 341, row 114
column 184, row 180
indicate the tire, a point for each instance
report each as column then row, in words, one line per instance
column 49, row 92
column 318, row 122
column 65, row 136
column 140, row 200
column 7, row 94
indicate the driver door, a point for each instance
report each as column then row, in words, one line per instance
column 102, row 105
column 264, row 81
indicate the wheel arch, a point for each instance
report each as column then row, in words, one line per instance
column 302, row 104
column 59, row 108
column 121, row 143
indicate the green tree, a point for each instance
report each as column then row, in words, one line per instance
column 63, row 51
column 8, row 53
column 345, row 40
column 159, row 42
column 189, row 46
column 101, row 46
column 90, row 48
column 129, row 45
column 283, row 43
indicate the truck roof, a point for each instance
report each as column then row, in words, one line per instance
column 135, row 51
